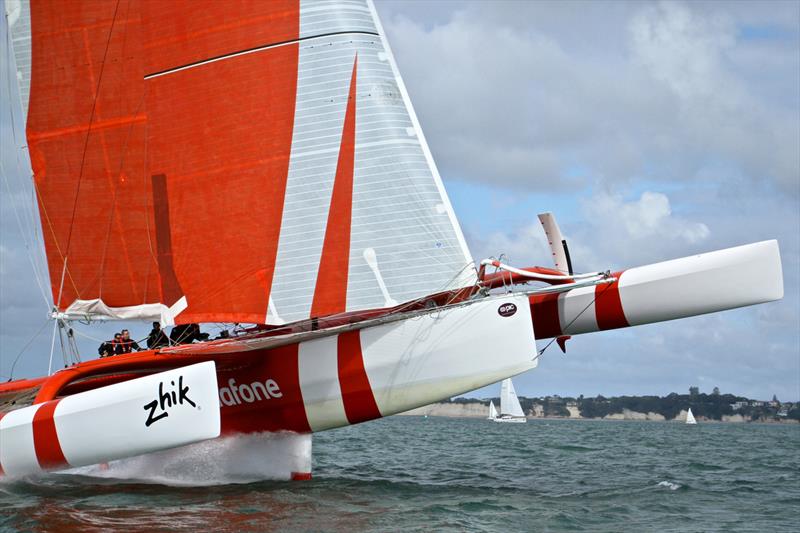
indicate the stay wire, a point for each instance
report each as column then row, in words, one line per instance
column 28, row 246
column 22, row 351
column 88, row 135
column 64, row 353
column 594, row 299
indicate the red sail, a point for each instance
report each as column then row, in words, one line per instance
column 228, row 161
column 221, row 133
column 86, row 133
column 128, row 95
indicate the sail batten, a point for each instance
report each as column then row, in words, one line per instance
column 211, row 141
column 252, row 50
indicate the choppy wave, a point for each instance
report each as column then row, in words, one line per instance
column 416, row 474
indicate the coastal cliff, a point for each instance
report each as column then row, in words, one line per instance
column 714, row 407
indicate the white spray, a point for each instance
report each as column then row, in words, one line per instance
column 235, row 459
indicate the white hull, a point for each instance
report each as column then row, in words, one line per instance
column 140, row 416
column 343, row 378
column 511, row 419
column 421, row 360
column 689, row 286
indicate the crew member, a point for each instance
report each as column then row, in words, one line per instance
column 181, row 334
column 127, row 345
column 116, row 344
column 106, row 349
column 157, row 338
column 187, row 334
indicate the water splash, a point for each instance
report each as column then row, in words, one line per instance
column 669, row 484
column 235, row 459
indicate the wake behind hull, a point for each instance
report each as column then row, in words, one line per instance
column 511, row 420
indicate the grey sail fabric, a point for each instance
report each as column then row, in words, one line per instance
column 18, row 14
column 405, row 239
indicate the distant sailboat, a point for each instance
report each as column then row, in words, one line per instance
column 690, row 417
column 510, row 409
column 492, row 411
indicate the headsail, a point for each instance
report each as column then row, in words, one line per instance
column 509, row 403
column 258, row 165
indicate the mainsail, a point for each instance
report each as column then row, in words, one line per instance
column 252, row 164
column 509, row 403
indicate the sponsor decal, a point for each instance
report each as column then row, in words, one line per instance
column 257, row 391
column 159, row 408
column 507, row 309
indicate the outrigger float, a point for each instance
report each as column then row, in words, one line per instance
column 261, row 163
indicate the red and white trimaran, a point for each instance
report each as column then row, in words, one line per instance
column 260, row 162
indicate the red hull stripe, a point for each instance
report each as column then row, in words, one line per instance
column 330, row 293
column 359, row 402
column 45, row 437
column 546, row 322
column 608, row 305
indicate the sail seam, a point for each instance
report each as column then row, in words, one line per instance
column 254, row 49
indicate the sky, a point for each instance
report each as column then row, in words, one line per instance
column 651, row 130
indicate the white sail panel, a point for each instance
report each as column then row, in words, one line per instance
column 404, row 241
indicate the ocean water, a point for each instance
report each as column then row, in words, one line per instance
column 440, row 474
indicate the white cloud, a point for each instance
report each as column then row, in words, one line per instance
column 683, row 49
column 648, row 217
column 522, row 94
column 614, row 233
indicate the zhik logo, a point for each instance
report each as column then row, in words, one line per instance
column 167, row 400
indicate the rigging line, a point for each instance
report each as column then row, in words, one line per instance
column 564, row 329
column 52, row 348
column 88, row 133
column 113, row 210
column 28, row 246
column 73, row 344
column 84, row 335
column 14, row 364
column 43, row 209
column 61, row 342
column 61, row 285
column 24, row 239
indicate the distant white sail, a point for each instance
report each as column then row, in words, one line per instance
column 509, row 403
column 690, row 417
column 492, row 411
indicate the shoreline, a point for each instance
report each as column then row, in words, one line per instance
column 479, row 411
